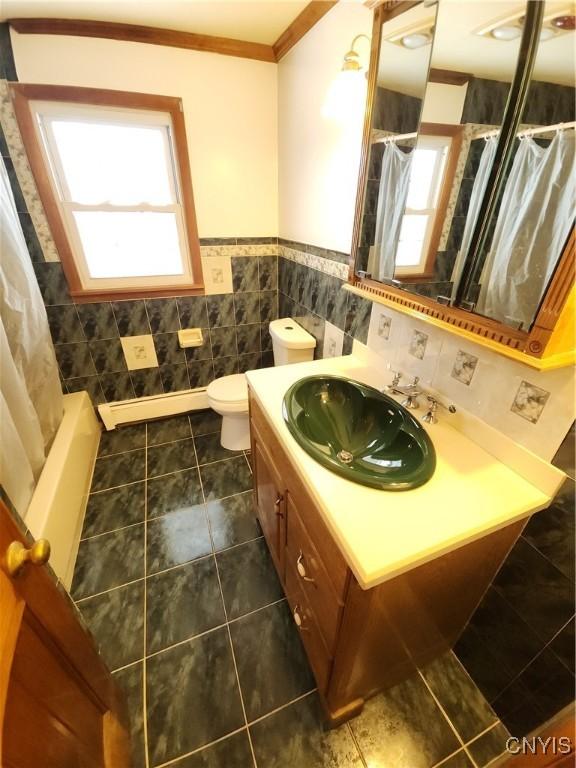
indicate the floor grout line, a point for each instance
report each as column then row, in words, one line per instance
column 483, row 733
column 112, row 530
column 356, row 744
column 164, row 474
column 173, row 568
column 200, row 749
column 228, row 629
column 441, row 708
column 282, row 706
column 449, row 757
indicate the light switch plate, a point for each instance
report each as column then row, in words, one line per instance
column 139, row 352
column 217, row 273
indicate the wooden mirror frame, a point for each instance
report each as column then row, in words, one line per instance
column 532, row 342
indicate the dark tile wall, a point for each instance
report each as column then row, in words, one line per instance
column 519, row 645
column 7, row 68
column 234, row 325
column 313, row 297
column 396, row 112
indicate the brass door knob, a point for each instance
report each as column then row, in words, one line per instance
column 17, row 555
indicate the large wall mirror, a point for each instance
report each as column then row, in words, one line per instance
column 448, row 100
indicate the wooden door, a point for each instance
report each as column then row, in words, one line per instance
column 59, row 706
column 270, row 501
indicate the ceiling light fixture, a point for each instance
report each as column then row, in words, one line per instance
column 510, row 27
column 506, row 32
column 564, row 22
column 417, row 40
column 413, row 37
column 546, row 33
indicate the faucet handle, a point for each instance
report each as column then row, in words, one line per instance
column 430, row 415
column 395, row 381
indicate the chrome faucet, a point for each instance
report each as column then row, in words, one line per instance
column 410, row 391
column 430, row 415
column 411, row 394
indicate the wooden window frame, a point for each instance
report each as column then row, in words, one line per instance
column 454, row 133
column 22, row 95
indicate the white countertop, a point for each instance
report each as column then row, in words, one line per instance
column 384, row 533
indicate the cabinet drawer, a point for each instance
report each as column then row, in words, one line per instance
column 309, row 569
column 320, row 661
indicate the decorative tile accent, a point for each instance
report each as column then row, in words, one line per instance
column 227, row 251
column 529, row 401
column 329, row 267
column 217, row 272
column 333, row 341
column 464, row 367
column 418, row 344
column 26, row 179
column 384, row 325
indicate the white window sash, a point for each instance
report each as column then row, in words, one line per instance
column 45, row 113
column 440, row 144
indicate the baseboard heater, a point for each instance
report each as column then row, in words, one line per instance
column 153, row 407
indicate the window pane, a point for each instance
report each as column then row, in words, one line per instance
column 119, row 164
column 421, row 177
column 129, row 244
column 412, row 234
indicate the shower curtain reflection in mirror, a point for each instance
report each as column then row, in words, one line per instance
column 533, row 224
column 31, row 400
column 392, row 194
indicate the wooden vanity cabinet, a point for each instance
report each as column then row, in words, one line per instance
column 270, row 498
column 360, row 641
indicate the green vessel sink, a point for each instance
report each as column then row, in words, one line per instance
column 359, row 433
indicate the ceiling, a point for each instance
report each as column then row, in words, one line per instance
column 457, row 47
column 250, row 20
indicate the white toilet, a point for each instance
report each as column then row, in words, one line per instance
column 228, row 395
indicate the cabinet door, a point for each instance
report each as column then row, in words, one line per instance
column 59, row 707
column 270, row 502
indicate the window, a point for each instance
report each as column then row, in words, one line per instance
column 428, row 191
column 116, row 176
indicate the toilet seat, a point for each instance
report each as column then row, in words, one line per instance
column 231, row 392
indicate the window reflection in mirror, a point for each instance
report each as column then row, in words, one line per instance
column 470, row 75
column 401, row 82
column 536, row 206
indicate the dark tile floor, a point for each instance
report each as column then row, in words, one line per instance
column 175, row 581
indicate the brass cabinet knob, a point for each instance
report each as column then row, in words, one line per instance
column 279, row 500
column 298, row 619
column 301, row 568
column 17, row 555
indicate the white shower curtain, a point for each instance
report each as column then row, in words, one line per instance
column 30, row 393
column 535, row 218
column 476, row 196
column 392, row 194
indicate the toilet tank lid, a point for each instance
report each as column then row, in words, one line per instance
column 291, row 335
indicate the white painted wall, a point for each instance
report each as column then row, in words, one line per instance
column 230, row 109
column 444, row 103
column 319, row 158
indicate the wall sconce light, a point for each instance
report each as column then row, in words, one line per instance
column 351, row 61
column 347, row 93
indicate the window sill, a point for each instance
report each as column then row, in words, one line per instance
column 85, row 296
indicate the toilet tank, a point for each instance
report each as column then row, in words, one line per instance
column 290, row 342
